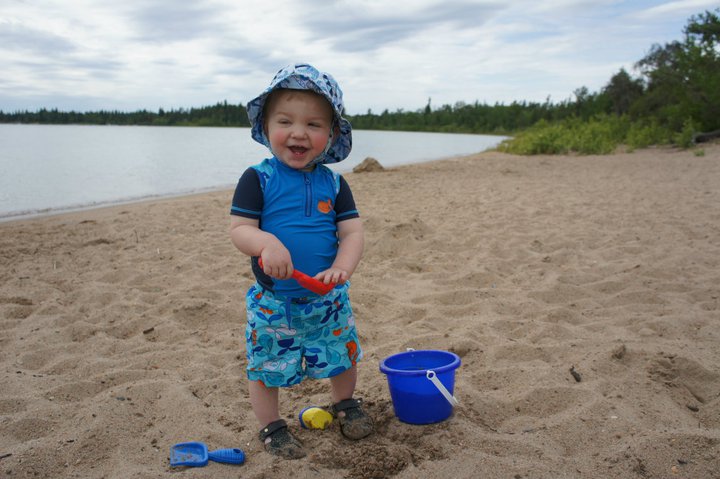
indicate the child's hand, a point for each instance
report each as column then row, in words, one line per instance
column 333, row 275
column 276, row 262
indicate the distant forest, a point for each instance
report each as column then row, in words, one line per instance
column 675, row 95
column 221, row 114
column 463, row 118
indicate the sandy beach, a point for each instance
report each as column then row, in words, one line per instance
column 122, row 329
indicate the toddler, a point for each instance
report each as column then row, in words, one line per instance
column 291, row 211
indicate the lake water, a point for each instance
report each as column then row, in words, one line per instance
column 54, row 168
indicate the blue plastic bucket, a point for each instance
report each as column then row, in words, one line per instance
column 421, row 384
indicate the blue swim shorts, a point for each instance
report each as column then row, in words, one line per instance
column 291, row 339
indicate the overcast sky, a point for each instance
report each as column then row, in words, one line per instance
column 131, row 54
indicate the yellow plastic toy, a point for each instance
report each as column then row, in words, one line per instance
column 313, row 417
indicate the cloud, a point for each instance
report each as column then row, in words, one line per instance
column 360, row 28
column 160, row 53
column 162, row 21
column 679, row 7
column 16, row 36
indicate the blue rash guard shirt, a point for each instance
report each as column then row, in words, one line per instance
column 301, row 209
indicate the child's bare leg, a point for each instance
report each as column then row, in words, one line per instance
column 274, row 433
column 264, row 402
column 343, row 385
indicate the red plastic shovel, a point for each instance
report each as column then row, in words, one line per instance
column 308, row 282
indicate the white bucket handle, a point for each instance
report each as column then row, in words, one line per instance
column 441, row 387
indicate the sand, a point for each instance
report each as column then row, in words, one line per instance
column 122, row 329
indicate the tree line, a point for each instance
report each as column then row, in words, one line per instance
column 675, row 95
column 220, row 114
column 460, row 118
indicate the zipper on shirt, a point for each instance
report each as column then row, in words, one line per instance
column 308, row 194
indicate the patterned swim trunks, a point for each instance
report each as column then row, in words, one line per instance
column 290, row 339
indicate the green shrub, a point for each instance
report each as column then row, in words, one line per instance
column 542, row 138
column 684, row 138
column 596, row 136
column 644, row 134
column 599, row 135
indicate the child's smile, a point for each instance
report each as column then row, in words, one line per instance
column 298, row 150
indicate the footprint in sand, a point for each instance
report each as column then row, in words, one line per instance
column 687, row 380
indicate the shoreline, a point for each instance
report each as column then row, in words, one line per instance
column 122, row 327
column 49, row 212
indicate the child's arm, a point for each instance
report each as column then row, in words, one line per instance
column 251, row 240
column 350, row 249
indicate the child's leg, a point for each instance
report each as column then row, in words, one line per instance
column 264, row 402
column 343, row 385
column 274, row 433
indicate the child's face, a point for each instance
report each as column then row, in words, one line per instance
column 298, row 126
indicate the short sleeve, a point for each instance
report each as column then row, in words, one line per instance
column 345, row 203
column 248, row 198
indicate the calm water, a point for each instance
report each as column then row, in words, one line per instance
column 48, row 168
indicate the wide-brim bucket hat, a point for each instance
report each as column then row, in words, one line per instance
column 302, row 76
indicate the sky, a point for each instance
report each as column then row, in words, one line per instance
column 89, row 55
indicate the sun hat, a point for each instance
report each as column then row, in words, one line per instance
column 302, row 76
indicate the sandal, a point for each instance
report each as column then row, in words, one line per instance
column 279, row 442
column 354, row 422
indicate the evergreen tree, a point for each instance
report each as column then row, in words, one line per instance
column 622, row 91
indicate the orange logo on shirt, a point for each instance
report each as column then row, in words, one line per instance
column 325, row 206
